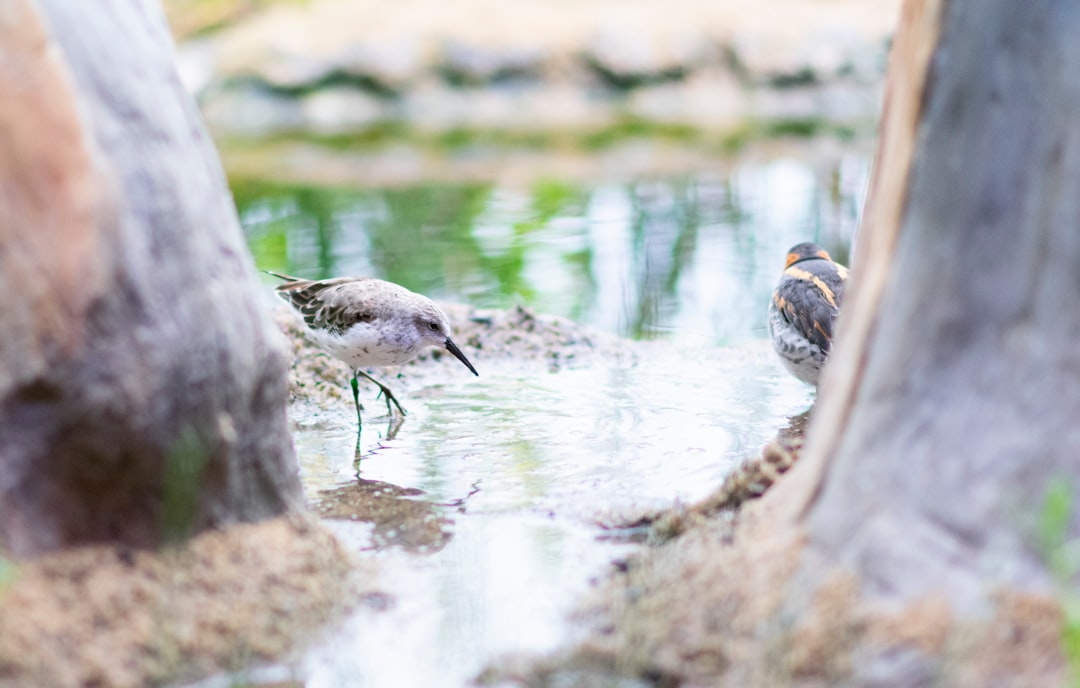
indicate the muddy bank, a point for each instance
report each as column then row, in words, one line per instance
column 492, row 339
column 334, row 67
column 110, row 616
column 698, row 607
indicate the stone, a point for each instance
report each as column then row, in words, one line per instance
column 251, row 111
column 340, row 109
column 389, row 65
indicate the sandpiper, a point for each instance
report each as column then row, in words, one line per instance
column 803, row 308
column 364, row 321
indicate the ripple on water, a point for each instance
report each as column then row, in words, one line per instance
column 512, row 473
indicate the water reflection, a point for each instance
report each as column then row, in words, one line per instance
column 690, row 258
column 523, row 464
column 533, row 455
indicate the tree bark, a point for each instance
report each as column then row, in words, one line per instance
column 951, row 402
column 142, row 385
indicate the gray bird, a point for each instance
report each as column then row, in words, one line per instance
column 803, row 308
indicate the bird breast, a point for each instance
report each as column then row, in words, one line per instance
column 367, row 344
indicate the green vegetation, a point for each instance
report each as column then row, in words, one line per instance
column 636, row 128
column 8, row 571
column 803, row 77
column 424, row 237
column 490, row 246
column 805, row 128
column 628, row 128
column 184, row 470
column 1062, row 556
column 625, row 81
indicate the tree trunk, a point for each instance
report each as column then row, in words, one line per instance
column 142, row 385
column 952, row 399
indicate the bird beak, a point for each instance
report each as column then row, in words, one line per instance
column 452, row 348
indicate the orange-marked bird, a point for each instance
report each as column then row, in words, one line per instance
column 803, row 308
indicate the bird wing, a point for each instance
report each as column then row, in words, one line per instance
column 809, row 296
column 283, row 276
column 333, row 305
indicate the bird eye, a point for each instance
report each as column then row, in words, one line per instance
column 434, row 326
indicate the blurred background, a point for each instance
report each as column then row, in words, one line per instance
column 641, row 166
column 636, row 165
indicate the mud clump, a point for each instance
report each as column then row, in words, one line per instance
column 399, row 516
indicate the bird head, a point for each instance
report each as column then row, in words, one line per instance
column 805, row 251
column 433, row 327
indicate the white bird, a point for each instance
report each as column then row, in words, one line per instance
column 364, row 321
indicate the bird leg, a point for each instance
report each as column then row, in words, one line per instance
column 356, row 400
column 385, row 391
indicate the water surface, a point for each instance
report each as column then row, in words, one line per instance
column 524, row 466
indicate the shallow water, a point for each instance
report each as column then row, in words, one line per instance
column 527, row 467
